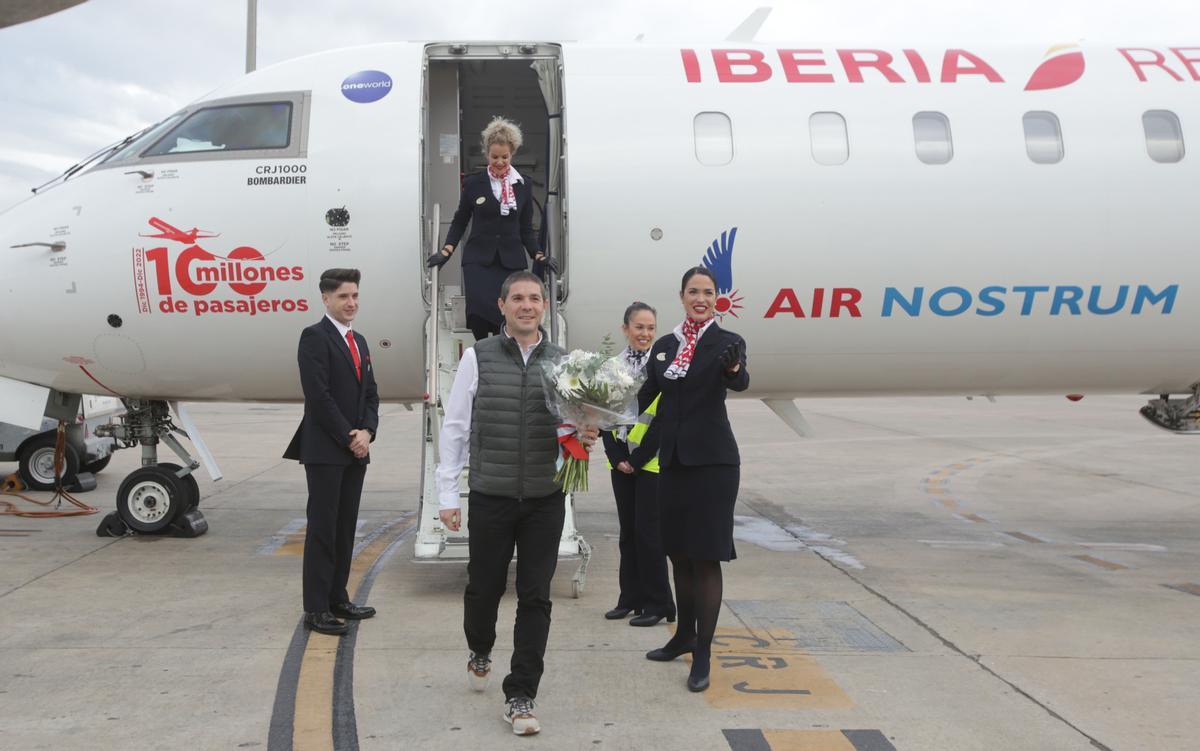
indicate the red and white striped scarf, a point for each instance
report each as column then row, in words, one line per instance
column 690, row 331
column 508, row 199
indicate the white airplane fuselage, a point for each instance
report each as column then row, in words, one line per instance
column 191, row 278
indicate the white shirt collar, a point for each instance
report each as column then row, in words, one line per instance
column 525, row 353
column 341, row 327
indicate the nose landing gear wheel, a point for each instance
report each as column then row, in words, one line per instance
column 191, row 488
column 151, row 498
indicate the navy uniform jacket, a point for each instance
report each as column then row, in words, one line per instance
column 693, row 424
column 335, row 402
column 507, row 238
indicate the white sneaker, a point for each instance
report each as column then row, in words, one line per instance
column 479, row 672
column 519, row 713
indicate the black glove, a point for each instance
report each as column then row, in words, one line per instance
column 547, row 262
column 437, row 259
column 733, row 354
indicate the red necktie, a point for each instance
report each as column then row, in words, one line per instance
column 354, row 354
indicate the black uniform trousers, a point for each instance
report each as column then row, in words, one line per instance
column 643, row 570
column 333, row 496
column 495, row 526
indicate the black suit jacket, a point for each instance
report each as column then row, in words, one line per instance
column 494, row 237
column 693, row 426
column 335, row 402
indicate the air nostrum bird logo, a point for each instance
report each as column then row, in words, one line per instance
column 719, row 260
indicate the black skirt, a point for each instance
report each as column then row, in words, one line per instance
column 697, row 510
column 482, row 289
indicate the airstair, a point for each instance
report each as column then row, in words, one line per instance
column 446, row 338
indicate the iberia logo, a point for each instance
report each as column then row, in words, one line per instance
column 197, row 281
column 1063, row 66
column 719, row 260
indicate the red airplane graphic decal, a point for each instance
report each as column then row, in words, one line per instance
column 171, row 233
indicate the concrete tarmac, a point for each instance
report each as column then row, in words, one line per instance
column 922, row 574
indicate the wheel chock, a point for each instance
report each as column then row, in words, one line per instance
column 112, row 526
column 190, row 524
column 84, row 482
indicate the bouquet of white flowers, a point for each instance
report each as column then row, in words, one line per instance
column 588, row 389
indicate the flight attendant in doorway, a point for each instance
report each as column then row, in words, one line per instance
column 498, row 204
column 693, row 368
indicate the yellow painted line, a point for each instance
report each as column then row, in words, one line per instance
column 974, row 518
column 754, row 671
column 960, row 466
column 935, row 480
column 949, row 503
column 1100, row 562
column 807, row 740
column 294, row 544
column 313, row 729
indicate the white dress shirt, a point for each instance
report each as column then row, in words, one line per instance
column 342, row 328
column 456, row 427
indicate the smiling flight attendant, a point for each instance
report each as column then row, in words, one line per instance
column 693, row 367
column 498, row 203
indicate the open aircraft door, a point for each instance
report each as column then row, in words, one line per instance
column 465, row 85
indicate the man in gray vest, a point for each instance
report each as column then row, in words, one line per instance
column 497, row 416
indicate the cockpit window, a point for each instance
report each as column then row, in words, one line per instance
column 235, row 127
column 140, row 141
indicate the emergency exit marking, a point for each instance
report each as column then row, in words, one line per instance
column 753, row 671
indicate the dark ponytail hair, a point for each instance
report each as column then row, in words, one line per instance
column 636, row 307
column 693, row 271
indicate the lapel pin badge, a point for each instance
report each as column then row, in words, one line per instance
column 480, row 200
column 662, row 356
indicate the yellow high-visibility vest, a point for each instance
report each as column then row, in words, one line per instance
column 638, row 432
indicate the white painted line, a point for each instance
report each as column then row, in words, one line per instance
column 963, row 544
column 1130, row 546
column 279, row 538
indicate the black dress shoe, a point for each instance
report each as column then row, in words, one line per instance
column 352, row 611
column 649, row 619
column 670, row 652
column 618, row 613
column 697, row 685
column 324, row 623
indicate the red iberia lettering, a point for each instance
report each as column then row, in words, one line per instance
column 726, row 63
column 1188, row 62
column 853, row 61
column 952, row 67
column 1157, row 60
column 792, row 61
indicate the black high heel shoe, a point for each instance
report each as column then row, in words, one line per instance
column 670, row 652
column 698, row 677
column 650, row 619
column 618, row 613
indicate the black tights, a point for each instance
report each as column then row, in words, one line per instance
column 698, row 587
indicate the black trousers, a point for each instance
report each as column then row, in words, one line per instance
column 333, row 495
column 643, row 571
column 495, row 525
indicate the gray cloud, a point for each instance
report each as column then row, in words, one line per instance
column 88, row 76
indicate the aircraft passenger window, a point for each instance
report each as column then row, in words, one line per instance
column 827, row 133
column 714, row 138
column 1043, row 138
column 931, row 131
column 1164, row 136
column 234, row 127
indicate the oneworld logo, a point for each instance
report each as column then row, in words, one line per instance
column 367, row 86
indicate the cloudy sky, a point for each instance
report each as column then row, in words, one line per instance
column 76, row 81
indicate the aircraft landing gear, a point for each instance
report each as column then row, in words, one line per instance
column 1176, row 415
column 162, row 497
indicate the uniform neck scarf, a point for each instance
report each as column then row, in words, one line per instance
column 508, row 199
column 636, row 358
column 690, row 332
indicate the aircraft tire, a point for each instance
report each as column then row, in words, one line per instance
column 36, row 463
column 150, row 498
column 97, row 466
column 190, row 487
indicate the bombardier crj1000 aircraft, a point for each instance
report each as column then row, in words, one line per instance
column 881, row 220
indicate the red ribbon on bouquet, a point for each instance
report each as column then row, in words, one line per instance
column 572, row 447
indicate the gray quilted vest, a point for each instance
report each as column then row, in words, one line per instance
column 514, row 437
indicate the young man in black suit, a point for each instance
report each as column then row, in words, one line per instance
column 341, row 415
